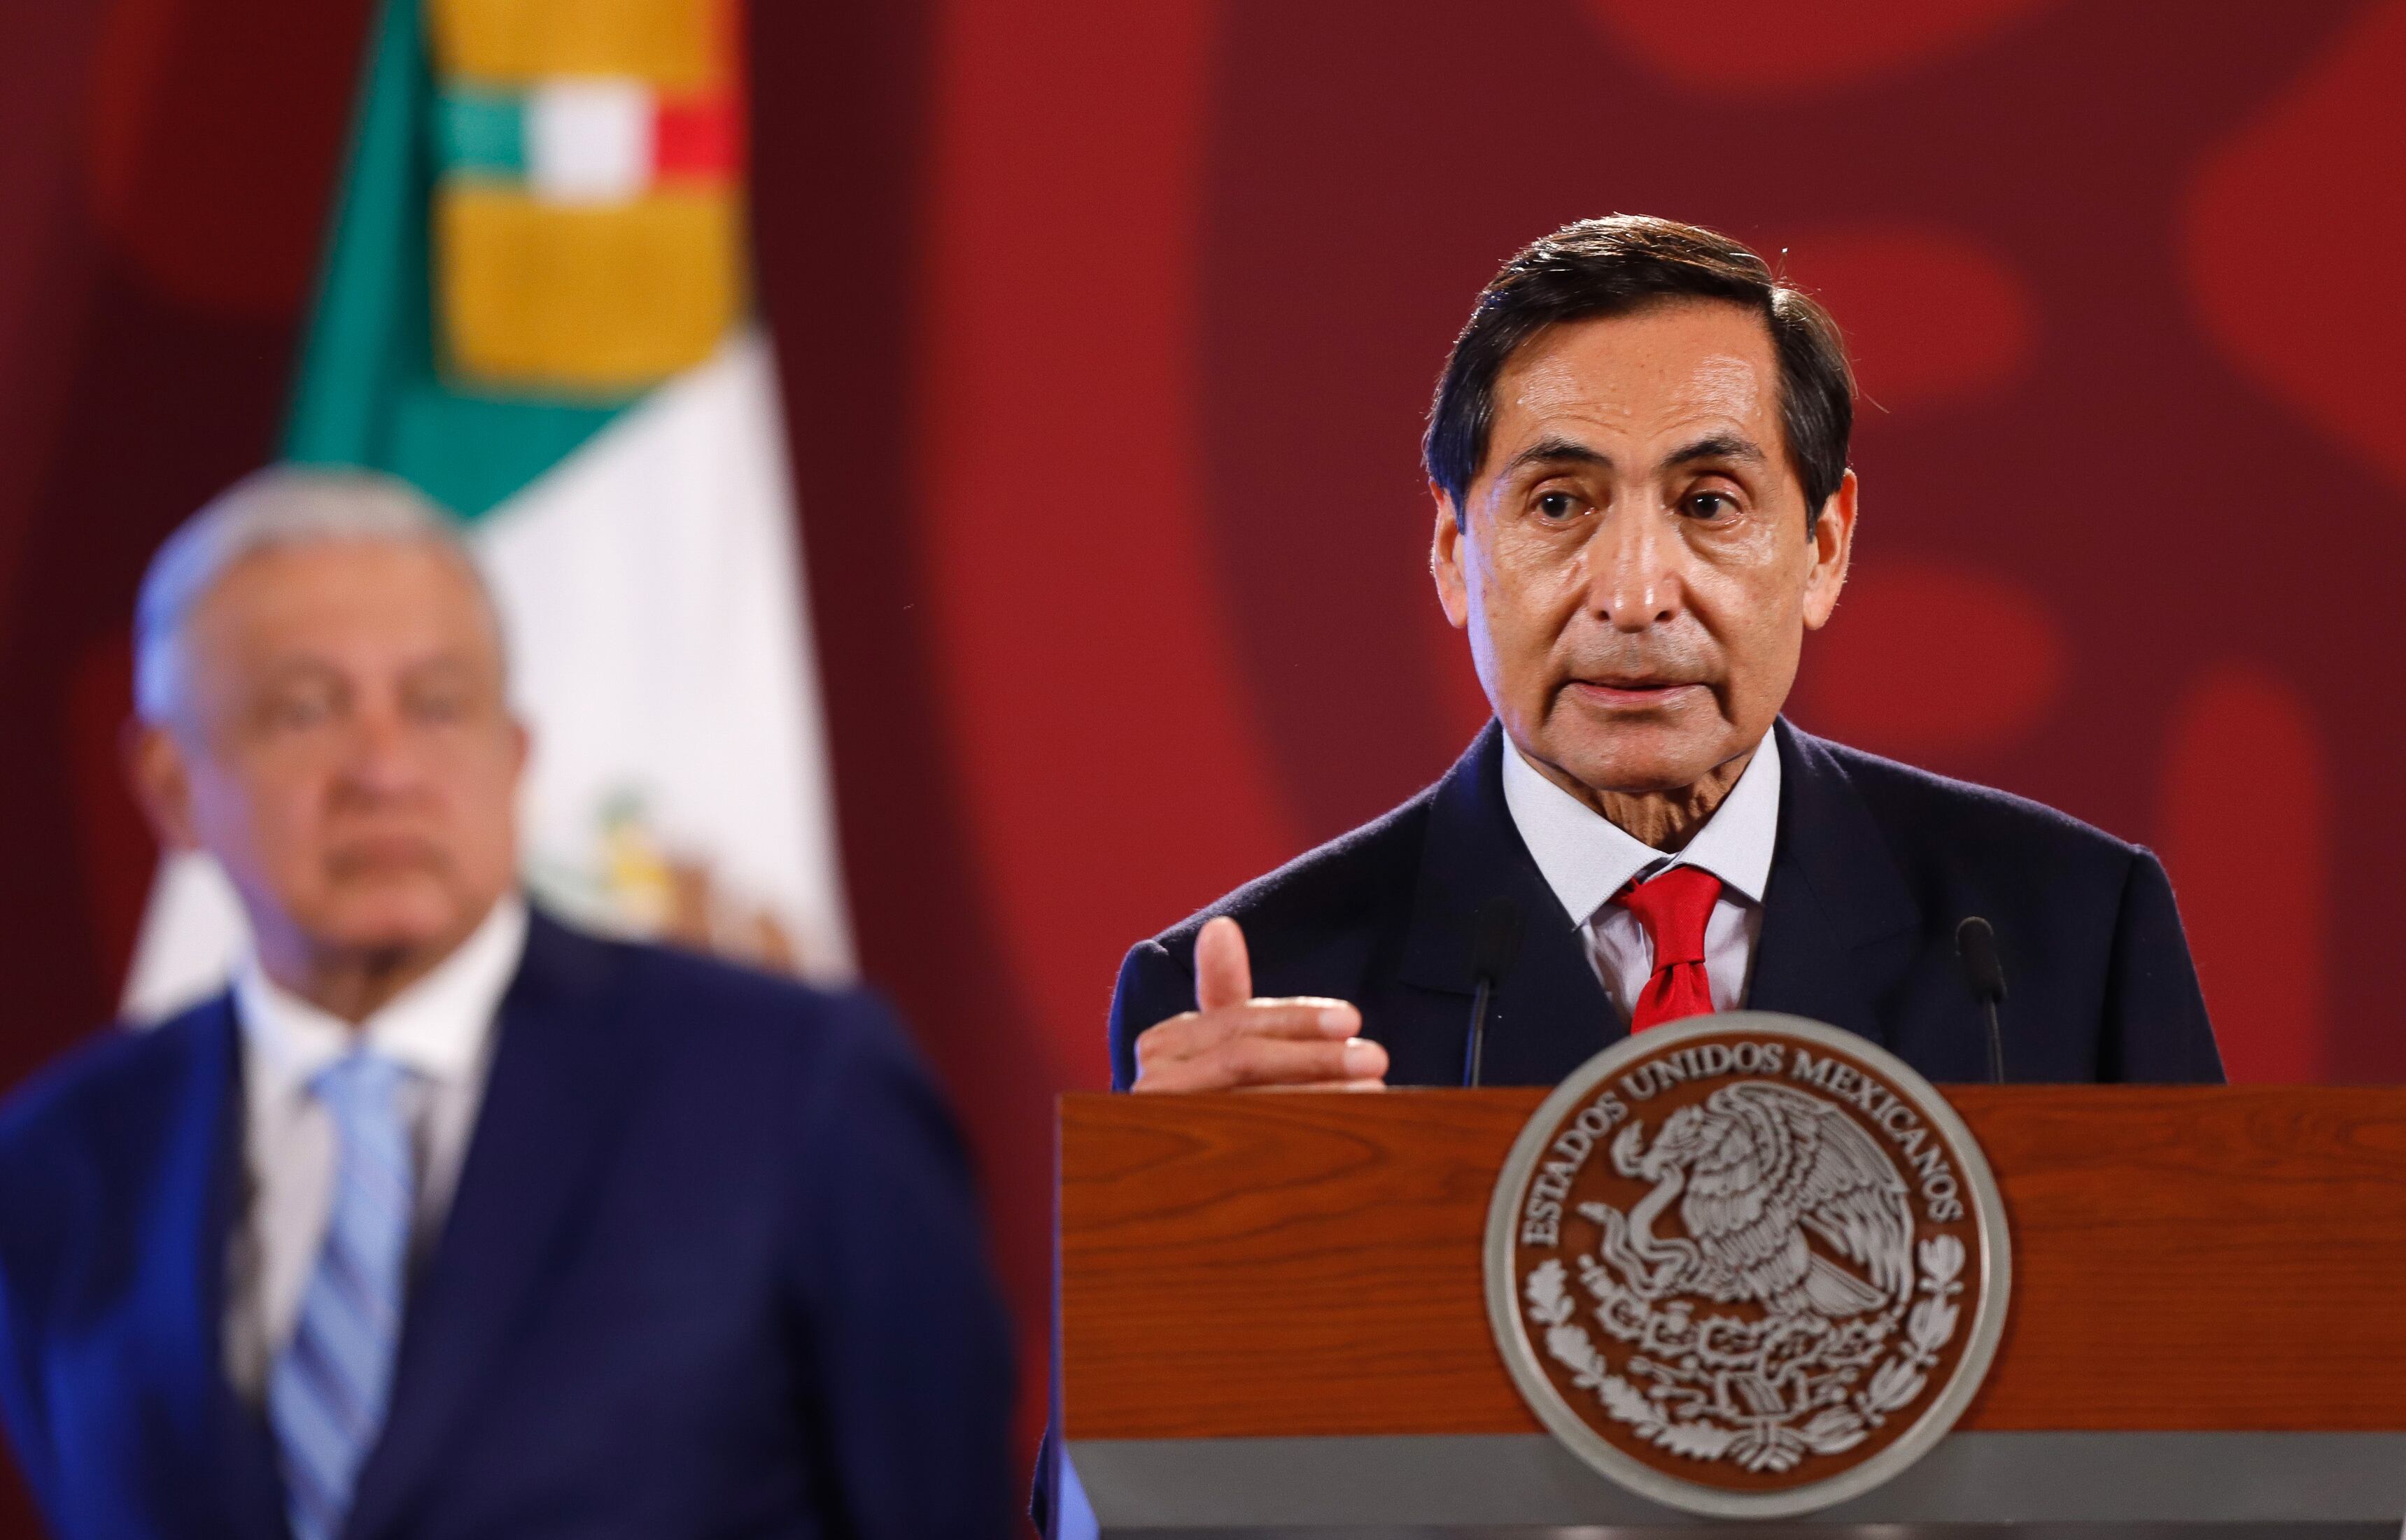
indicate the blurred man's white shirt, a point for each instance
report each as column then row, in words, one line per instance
column 440, row 1029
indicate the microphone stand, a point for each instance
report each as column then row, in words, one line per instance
column 1476, row 1059
column 1975, row 943
column 1495, row 941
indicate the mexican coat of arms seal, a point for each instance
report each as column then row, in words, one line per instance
column 1746, row 1264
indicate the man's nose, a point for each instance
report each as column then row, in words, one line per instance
column 1634, row 569
column 383, row 758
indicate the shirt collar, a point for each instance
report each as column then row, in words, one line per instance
column 1586, row 858
column 436, row 1027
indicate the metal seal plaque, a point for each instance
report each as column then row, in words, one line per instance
column 1746, row 1264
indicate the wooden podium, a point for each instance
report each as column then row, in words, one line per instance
column 1270, row 1321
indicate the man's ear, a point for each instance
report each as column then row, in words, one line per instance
column 162, row 782
column 1834, row 547
column 1445, row 559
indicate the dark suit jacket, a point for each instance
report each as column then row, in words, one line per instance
column 1876, row 863
column 714, row 1267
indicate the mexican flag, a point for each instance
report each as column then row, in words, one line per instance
column 534, row 308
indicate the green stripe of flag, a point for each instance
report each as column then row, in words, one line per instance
column 370, row 391
column 480, row 134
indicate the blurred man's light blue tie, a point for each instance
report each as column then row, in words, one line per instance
column 327, row 1391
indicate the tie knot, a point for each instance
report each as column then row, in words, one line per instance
column 1673, row 908
column 359, row 1087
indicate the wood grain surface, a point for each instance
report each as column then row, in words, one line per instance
column 1286, row 1264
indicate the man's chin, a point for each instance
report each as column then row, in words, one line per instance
column 1639, row 758
column 404, row 923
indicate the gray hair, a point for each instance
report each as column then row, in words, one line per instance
column 281, row 505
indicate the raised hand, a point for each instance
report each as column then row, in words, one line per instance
column 1231, row 1040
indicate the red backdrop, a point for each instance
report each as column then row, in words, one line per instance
column 1107, row 330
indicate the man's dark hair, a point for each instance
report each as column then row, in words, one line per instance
column 1611, row 267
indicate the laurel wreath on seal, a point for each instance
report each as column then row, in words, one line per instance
column 1762, row 1393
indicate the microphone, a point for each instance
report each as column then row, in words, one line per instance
column 1975, row 943
column 1495, row 941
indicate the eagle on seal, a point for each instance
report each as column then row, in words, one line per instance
column 1754, row 1168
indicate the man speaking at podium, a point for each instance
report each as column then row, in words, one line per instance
column 1638, row 459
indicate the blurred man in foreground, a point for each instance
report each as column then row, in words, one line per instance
column 1638, row 459
column 447, row 1218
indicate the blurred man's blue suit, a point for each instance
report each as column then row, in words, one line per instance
column 714, row 1267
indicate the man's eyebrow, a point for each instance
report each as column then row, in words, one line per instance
column 1556, row 452
column 298, row 663
column 1719, row 446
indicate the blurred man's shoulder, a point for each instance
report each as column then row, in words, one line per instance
column 123, row 1077
column 688, row 1002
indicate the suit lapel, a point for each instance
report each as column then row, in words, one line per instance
column 562, row 1071
column 1838, row 921
column 1550, row 1015
column 225, row 1445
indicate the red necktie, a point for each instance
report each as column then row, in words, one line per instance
column 1673, row 908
